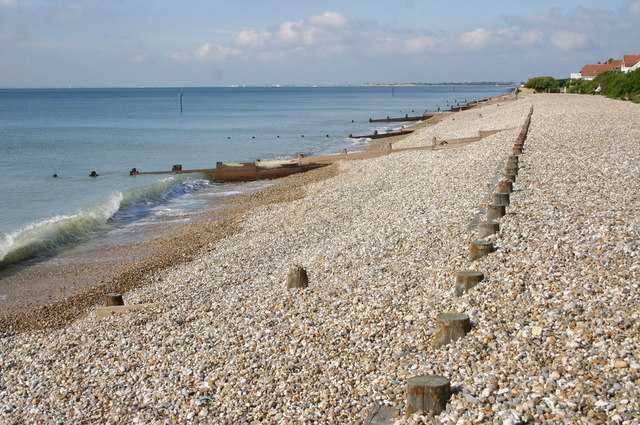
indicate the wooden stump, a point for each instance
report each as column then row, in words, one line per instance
column 511, row 170
column 505, row 186
column 501, row 198
column 467, row 279
column 496, row 211
column 113, row 300
column 512, row 164
column 509, row 177
column 479, row 249
column 452, row 326
column 488, row 228
column 297, row 278
column 429, row 393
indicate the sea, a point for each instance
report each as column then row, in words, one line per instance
column 51, row 140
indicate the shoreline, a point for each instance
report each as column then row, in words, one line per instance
column 50, row 293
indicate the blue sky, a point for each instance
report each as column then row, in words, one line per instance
column 98, row 43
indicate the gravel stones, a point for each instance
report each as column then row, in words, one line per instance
column 555, row 326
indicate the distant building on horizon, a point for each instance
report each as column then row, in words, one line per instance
column 627, row 64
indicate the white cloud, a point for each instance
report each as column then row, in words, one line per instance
column 329, row 19
column 568, row 40
column 420, row 44
column 476, row 39
column 518, row 37
column 9, row 3
column 139, row 58
column 634, row 7
column 174, row 56
column 252, row 39
column 215, row 51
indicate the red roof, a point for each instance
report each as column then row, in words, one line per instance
column 616, row 62
column 630, row 60
column 593, row 70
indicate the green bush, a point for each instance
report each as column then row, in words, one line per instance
column 615, row 84
column 542, row 84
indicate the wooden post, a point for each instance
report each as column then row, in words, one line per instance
column 180, row 102
column 516, row 151
column 297, row 278
column 511, row 170
column 501, row 198
column 465, row 280
column 452, row 326
column 113, row 300
column 429, row 393
column 479, row 249
column 488, row 228
column 512, row 164
column 509, row 176
column 505, row 186
column 514, row 158
column 496, row 211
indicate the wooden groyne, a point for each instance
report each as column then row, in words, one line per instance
column 265, row 170
column 377, row 135
column 403, row 119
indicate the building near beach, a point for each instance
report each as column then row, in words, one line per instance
column 591, row 71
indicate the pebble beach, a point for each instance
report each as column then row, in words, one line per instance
column 555, row 322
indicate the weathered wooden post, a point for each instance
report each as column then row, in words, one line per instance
column 516, row 151
column 479, row 249
column 297, row 278
column 496, row 211
column 511, row 169
column 452, row 326
column 513, row 164
column 514, row 158
column 488, row 228
column 509, row 176
column 465, row 280
column 505, row 186
column 113, row 300
column 501, row 198
column 429, row 393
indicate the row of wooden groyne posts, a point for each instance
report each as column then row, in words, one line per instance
column 263, row 170
column 425, row 393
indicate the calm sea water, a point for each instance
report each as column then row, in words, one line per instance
column 71, row 132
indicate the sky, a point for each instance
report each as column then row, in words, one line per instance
column 164, row 43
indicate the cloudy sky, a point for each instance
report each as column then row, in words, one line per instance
column 97, row 43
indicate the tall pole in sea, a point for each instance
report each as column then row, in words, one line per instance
column 180, row 102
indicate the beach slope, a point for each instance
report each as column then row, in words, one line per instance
column 555, row 327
